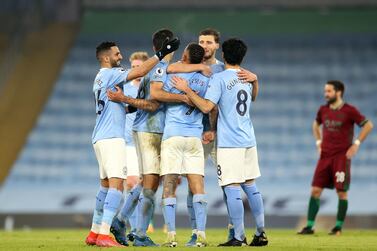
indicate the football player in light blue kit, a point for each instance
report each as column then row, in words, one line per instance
column 236, row 150
column 182, row 150
column 108, row 135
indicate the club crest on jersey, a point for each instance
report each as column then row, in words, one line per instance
column 159, row 72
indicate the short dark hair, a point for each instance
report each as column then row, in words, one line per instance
column 211, row 32
column 234, row 51
column 196, row 53
column 338, row 86
column 104, row 46
column 160, row 36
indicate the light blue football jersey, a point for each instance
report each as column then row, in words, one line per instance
column 130, row 89
column 111, row 116
column 234, row 126
column 181, row 119
column 216, row 68
column 151, row 121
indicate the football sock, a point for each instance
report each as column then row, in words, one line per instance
column 98, row 211
column 169, row 207
column 342, row 211
column 236, row 210
column 312, row 211
column 190, row 209
column 147, row 208
column 256, row 205
column 200, row 208
column 110, row 208
column 130, row 205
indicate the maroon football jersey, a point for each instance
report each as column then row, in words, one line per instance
column 338, row 127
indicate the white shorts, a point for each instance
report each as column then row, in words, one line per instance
column 237, row 165
column 210, row 150
column 111, row 157
column 182, row 155
column 132, row 161
column 148, row 148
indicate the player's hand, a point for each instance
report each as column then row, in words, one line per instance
column 168, row 47
column 116, row 96
column 180, row 84
column 352, row 151
column 246, row 76
column 206, row 70
column 208, row 137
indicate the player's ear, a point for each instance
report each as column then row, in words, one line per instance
column 217, row 46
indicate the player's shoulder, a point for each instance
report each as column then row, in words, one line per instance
column 159, row 70
column 349, row 107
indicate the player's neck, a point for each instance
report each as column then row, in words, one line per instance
column 211, row 61
column 228, row 66
column 105, row 65
column 337, row 104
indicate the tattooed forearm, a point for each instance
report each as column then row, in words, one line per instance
column 143, row 104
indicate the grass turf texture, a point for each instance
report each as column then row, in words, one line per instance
column 278, row 240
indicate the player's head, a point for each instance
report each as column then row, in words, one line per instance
column 193, row 54
column 209, row 39
column 234, row 51
column 138, row 58
column 160, row 36
column 108, row 53
column 334, row 90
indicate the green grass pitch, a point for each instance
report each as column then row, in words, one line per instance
column 278, row 240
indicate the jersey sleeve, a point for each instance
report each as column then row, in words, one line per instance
column 167, row 84
column 357, row 117
column 158, row 73
column 319, row 116
column 119, row 77
column 213, row 92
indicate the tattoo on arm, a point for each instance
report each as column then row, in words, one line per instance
column 143, row 104
column 213, row 118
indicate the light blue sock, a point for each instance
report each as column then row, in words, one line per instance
column 139, row 210
column 130, row 204
column 227, row 208
column 147, row 211
column 133, row 218
column 236, row 210
column 256, row 204
column 191, row 211
column 169, row 207
column 100, row 201
column 112, row 203
column 200, row 208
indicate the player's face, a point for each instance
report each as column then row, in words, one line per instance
column 115, row 56
column 136, row 63
column 330, row 94
column 209, row 45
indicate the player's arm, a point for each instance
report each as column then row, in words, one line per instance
column 179, row 67
column 249, row 77
column 158, row 94
column 203, row 104
column 143, row 104
column 317, row 134
column 168, row 47
column 366, row 128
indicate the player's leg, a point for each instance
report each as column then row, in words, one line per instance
column 98, row 213
column 171, row 165
column 169, row 205
column 114, row 159
column 254, row 197
column 342, row 179
column 193, row 168
column 321, row 179
column 230, row 173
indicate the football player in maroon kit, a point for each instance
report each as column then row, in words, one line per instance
column 336, row 148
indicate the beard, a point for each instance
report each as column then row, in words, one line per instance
column 209, row 55
column 331, row 100
column 115, row 63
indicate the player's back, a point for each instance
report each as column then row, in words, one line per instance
column 182, row 119
column 235, row 128
column 111, row 116
column 151, row 121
